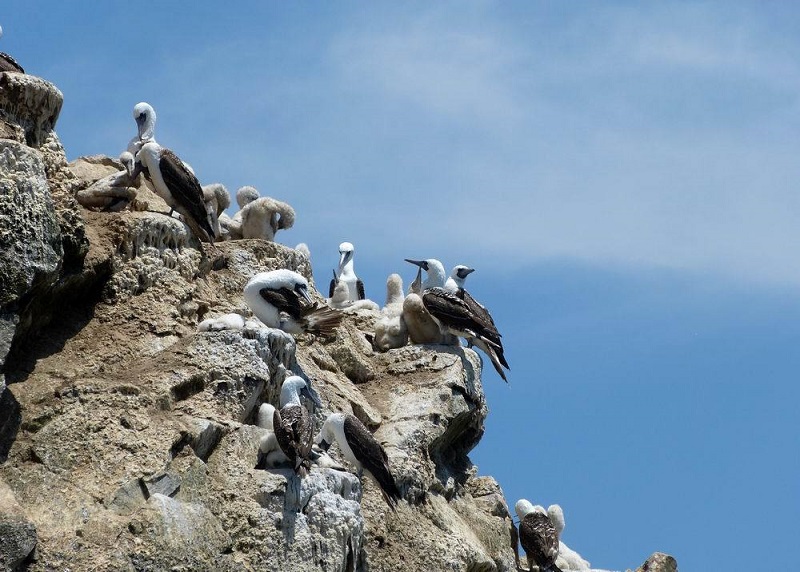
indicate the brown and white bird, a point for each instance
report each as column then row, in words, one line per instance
column 459, row 314
column 177, row 185
column 293, row 426
column 538, row 536
column 280, row 299
column 361, row 449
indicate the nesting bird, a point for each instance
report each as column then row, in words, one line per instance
column 231, row 321
column 283, row 291
column 7, row 63
column 361, row 449
column 538, row 536
column 422, row 328
column 391, row 331
column 293, row 426
column 268, row 444
column 216, row 199
column 177, row 185
column 265, row 216
column 346, row 274
column 458, row 313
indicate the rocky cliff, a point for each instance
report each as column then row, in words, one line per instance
column 128, row 438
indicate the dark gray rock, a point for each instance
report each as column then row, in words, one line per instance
column 17, row 541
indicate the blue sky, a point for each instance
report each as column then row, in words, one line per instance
column 623, row 177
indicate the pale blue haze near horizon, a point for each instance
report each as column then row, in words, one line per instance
column 623, row 176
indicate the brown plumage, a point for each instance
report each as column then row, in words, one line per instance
column 309, row 317
column 186, row 193
column 539, row 539
column 466, row 320
column 295, row 434
column 9, row 64
column 371, row 456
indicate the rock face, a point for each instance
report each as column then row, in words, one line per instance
column 128, row 438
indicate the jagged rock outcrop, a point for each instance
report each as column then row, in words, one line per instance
column 128, row 437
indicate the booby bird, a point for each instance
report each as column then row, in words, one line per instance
column 391, row 331
column 434, row 270
column 293, row 426
column 145, row 117
column 268, row 444
column 361, row 449
column 268, row 294
column 457, row 277
column 538, row 536
column 176, row 184
column 459, row 314
column 346, row 274
column 7, row 63
column 244, row 196
column 217, row 199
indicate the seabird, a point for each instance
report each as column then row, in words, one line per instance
column 293, row 426
column 434, row 270
column 145, row 117
column 346, row 274
column 391, row 331
column 459, row 314
column 268, row 444
column 457, row 277
column 422, row 328
column 231, row 321
column 538, row 536
column 7, row 63
column 265, row 216
column 268, row 294
column 177, row 185
column 360, row 448
column 244, row 196
column 217, row 199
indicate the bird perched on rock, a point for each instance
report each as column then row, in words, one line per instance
column 391, row 331
column 538, row 536
column 293, row 426
column 217, row 199
column 422, row 328
column 283, row 291
column 177, row 185
column 361, row 449
column 265, row 216
column 345, row 273
column 458, row 313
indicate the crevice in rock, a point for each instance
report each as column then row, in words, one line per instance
column 10, row 421
column 187, row 388
column 52, row 315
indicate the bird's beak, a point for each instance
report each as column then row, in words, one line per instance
column 140, row 124
column 419, row 263
column 311, row 394
column 303, row 291
column 342, row 258
column 468, row 271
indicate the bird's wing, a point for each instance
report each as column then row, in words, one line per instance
column 360, row 289
column 539, row 538
column 185, row 188
column 284, row 299
column 449, row 309
column 372, row 456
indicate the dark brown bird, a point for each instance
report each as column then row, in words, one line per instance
column 538, row 536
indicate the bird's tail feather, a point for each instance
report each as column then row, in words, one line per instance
column 321, row 320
